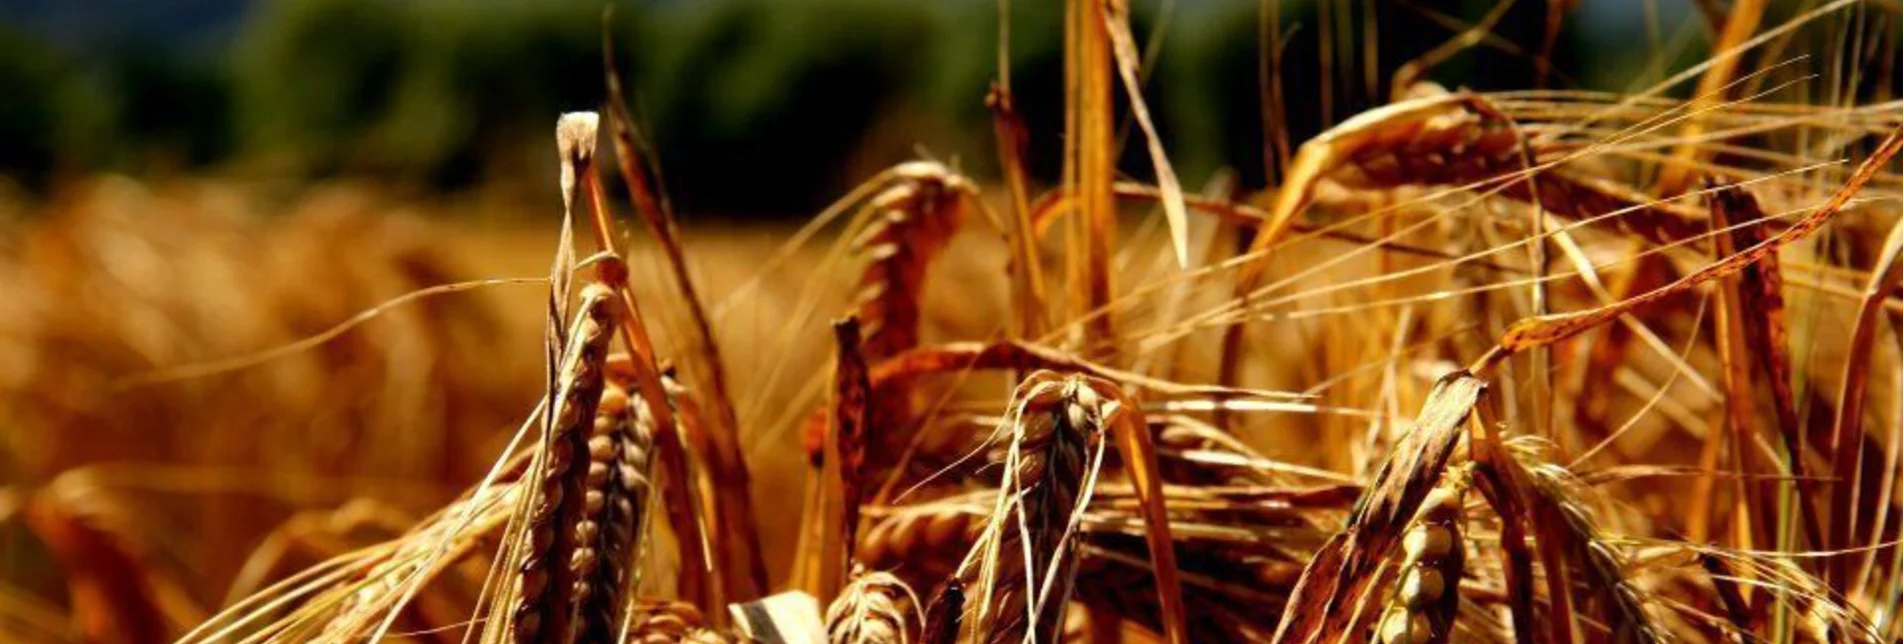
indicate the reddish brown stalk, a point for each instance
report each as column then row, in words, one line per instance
column 845, row 459
column 1323, row 601
column 746, row 576
column 1756, row 338
column 1539, row 331
column 1116, row 24
column 1739, row 418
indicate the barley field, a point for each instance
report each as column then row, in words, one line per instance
column 1501, row 359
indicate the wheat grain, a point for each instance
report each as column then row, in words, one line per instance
column 912, row 222
column 1027, row 546
column 617, row 494
column 1433, row 558
column 545, row 580
column 876, row 608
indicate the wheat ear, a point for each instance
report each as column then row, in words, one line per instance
column 545, row 582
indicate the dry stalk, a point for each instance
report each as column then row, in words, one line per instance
column 576, row 141
column 1090, row 166
column 732, row 504
column 546, row 580
column 1027, row 275
column 876, row 608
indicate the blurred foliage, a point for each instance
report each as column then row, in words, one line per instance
column 756, row 106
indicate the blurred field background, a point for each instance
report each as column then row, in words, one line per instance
column 189, row 180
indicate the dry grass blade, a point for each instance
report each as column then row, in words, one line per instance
column 876, row 608
column 1116, row 21
column 1337, row 576
column 1546, row 330
column 547, row 578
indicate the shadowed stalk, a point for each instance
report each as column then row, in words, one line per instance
column 944, row 613
column 1027, row 274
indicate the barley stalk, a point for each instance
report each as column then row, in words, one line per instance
column 1321, row 602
